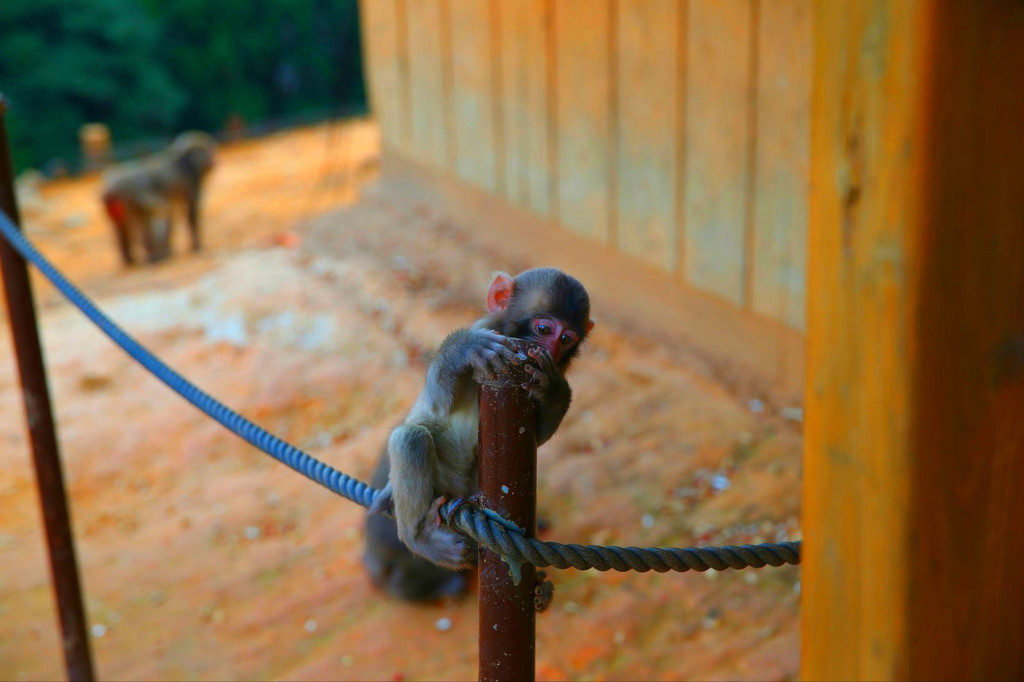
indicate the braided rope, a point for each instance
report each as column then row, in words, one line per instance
column 516, row 547
column 302, row 462
column 504, row 540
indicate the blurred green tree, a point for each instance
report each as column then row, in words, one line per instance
column 151, row 68
column 67, row 62
column 262, row 58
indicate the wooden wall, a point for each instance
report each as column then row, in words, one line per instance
column 675, row 131
column 913, row 506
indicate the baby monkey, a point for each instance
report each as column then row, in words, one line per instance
column 432, row 456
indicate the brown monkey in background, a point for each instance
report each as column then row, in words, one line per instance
column 432, row 456
column 140, row 196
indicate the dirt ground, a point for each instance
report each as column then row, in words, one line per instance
column 312, row 312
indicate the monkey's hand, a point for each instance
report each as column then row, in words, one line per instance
column 487, row 353
column 549, row 388
column 547, row 383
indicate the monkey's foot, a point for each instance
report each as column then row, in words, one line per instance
column 543, row 592
column 446, row 547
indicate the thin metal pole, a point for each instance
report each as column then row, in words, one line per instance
column 508, row 485
column 42, row 433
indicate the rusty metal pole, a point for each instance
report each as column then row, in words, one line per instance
column 508, row 485
column 42, row 433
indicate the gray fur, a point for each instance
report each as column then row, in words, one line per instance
column 434, row 452
column 148, row 188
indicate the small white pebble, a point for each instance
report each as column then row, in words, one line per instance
column 571, row 607
column 522, row 430
column 443, row 624
column 750, row 577
column 495, row 627
column 98, row 630
column 687, row 492
column 504, row 489
column 720, row 482
column 796, row 587
column 310, row 626
column 252, row 532
column 619, row 637
column 756, row 405
column 647, row 521
column 586, row 416
column 711, row 575
column 793, row 414
column 273, row 500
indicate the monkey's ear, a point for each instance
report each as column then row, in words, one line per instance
column 500, row 293
column 590, row 324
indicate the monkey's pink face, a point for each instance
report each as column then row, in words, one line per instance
column 553, row 335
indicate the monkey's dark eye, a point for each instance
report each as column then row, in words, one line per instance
column 567, row 339
column 543, row 329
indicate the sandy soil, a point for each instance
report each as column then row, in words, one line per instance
column 312, row 312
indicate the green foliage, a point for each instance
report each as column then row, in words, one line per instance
column 64, row 63
column 150, row 68
column 262, row 58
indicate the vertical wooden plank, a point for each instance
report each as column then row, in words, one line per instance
column 679, row 182
column 536, row 57
column 914, row 450
column 447, row 78
column 515, row 131
column 782, row 166
column 524, row 103
column 648, row 74
column 551, row 109
column 857, row 398
column 473, row 71
column 717, row 150
column 382, row 56
column 426, row 81
column 583, row 64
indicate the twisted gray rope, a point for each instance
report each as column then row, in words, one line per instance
column 516, row 548
column 505, row 540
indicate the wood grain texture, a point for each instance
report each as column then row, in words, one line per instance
column 538, row 67
column 473, row 89
column 514, row 75
column 383, row 52
column 426, row 81
column 782, row 165
column 755, row 355
column 648, row 74
column 583, row 100
column 524, row 104
column 717, row 146
column 914, row 451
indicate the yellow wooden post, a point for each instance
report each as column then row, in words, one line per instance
column 914, row 464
